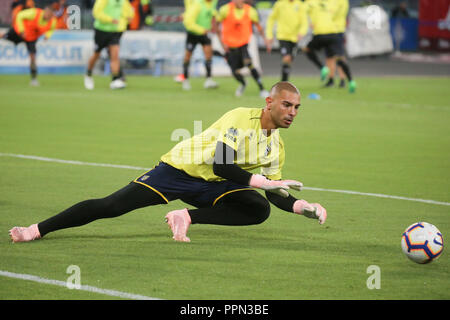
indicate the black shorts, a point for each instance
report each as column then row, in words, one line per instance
column 329, row 42
column 193, row 39
column 172, row 184
column 288, row 48
column 12, row 36
column 104, row 39
column 238, row 58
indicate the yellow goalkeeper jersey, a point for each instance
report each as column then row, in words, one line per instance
column 321, row 13
column 290, row 18
column 240, row 129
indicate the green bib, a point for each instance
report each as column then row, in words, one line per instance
column 114, row 10
column 206, row 14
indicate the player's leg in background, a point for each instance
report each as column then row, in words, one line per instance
column 131, row 197
column 88, row 80
column 100, row 42
column 331, row 65
column 116, row 82
column 286, row 63
column 191, row 43
column 312, row 56
column 341, row 74
column 286, row 51
column 91, row 62
column 31, row 48
column 345, row 69
column 208, row 53
column 332, row 46
column 311, row 53
column 234, row 60
column 186, row 63
column 33, row 69
column 342, row 64
column 115, row 62
column 187, row 58
column 247, row 61
column 239, row 208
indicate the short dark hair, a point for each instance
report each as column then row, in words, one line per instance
column 283, row 85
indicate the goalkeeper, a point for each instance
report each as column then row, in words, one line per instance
column 209, row 172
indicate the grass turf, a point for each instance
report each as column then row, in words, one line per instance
column 391, row 137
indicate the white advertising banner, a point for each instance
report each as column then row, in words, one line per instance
column 368, row 32
column 69, row 52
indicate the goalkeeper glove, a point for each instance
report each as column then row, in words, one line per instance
column 279, row 187
column 310, row 210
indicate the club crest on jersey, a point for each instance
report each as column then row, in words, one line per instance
column 268, row 149
column 231, row 134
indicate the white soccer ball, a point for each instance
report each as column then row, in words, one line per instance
column 422, row 242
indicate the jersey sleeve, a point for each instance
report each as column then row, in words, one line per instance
column 304, row 22
column 49, row 33
column 254, row 15
column 127, row 10
column 222, row 13
column 271, row 21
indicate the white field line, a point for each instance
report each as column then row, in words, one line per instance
column 81, row 163
column 75, row 162
column 379, row 195
column 112, row 293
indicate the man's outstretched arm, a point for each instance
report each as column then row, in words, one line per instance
column 301, row 207
column 225, row 167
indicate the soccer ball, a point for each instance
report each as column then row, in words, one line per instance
column 422, row 242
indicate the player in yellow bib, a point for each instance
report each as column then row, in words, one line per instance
column 209, row 171
column 111, row 20
column 28, row 26
column 292, row 24
column 236, row 19
column 340, row 18
column 198, row 20
column 326, row 22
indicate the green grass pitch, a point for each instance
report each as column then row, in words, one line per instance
column 391, row 137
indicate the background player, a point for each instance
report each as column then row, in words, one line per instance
column 111, row 20
column 291, row 24
column 324, row 37
column 322, row 14
column 340, row 18
column 212, row 176
column 237, row 19
column 28, row 26
column 198, row 21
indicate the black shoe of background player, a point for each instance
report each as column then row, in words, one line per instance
column 330, row 83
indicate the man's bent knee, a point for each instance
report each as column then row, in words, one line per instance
column 261, row 208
